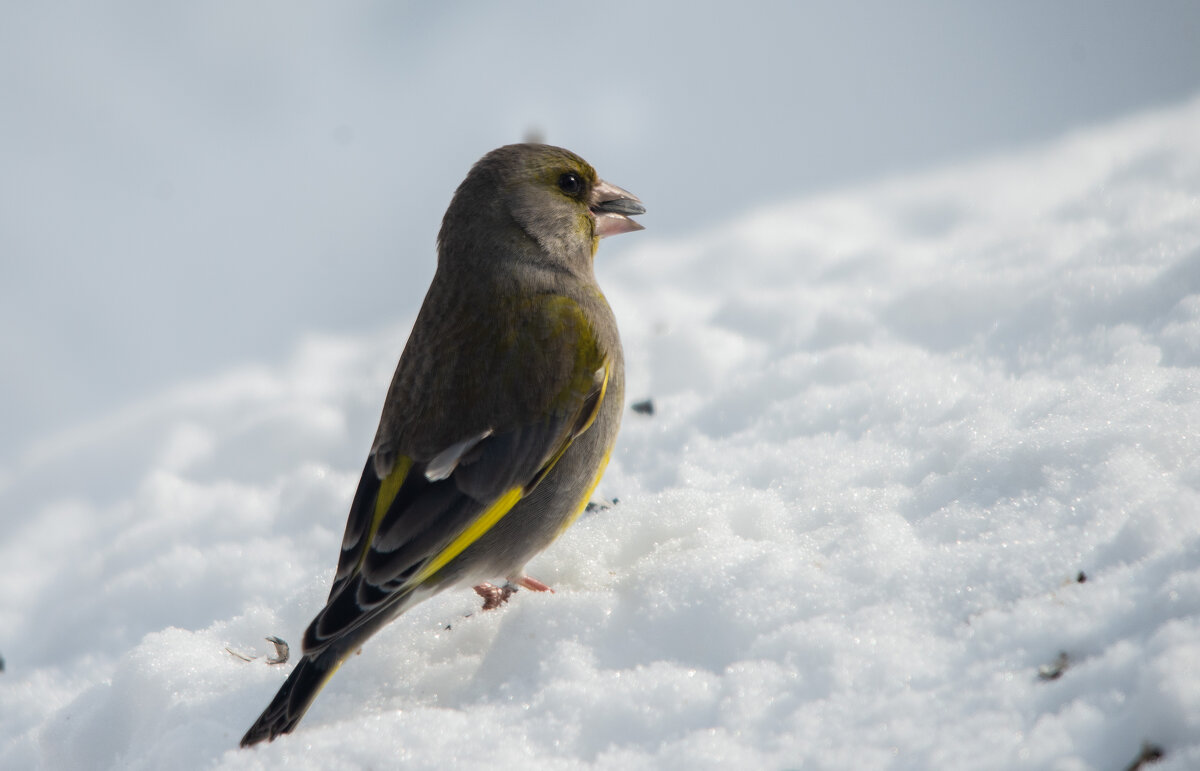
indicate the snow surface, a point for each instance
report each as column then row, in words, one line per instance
column 912, row 441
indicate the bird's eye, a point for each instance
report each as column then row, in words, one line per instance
column 570, row 183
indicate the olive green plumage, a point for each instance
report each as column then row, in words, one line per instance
column 502, row 413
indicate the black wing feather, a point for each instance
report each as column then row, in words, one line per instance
column 422, row 520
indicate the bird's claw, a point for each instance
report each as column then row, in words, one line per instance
column 495, row 596
column 532, row 584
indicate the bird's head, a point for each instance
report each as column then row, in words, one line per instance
column 546, row 196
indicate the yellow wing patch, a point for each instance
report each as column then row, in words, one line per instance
column 583, row 424
column 483, row 523
column 388, row 489
column 587, row 494
column 591, row 418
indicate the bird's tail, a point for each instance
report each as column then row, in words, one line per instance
column 295, row 696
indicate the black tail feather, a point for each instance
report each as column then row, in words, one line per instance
column 294, row 698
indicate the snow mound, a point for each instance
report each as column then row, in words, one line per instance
column 920, row 489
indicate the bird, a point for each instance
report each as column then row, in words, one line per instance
column 500, row 418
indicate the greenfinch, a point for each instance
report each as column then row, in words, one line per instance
column 501, row 416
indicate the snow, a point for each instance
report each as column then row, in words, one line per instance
column 912, row 441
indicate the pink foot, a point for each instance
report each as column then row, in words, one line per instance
column 532, row 584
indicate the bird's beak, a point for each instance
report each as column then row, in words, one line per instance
column 612, row 206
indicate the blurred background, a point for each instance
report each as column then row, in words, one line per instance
column 188, row 187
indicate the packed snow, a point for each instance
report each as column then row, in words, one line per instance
column 919, row 487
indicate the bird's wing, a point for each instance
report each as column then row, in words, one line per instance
column 410, row 518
